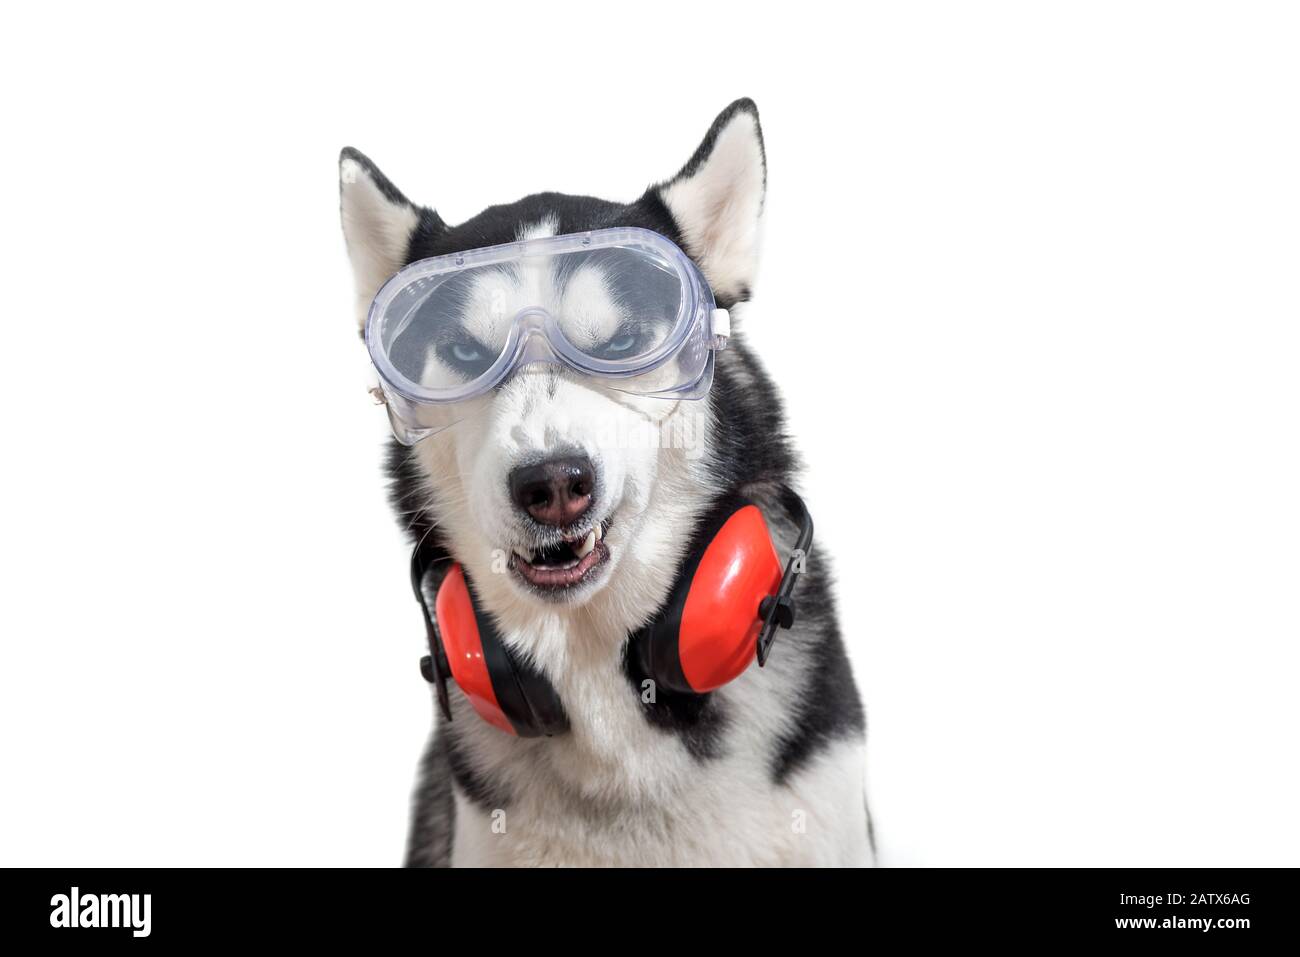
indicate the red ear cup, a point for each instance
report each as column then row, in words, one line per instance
column 707, row 633
column 458, row 627
column 506, row 693
column 720, row 621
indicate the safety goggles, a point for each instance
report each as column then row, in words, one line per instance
column 624, row 307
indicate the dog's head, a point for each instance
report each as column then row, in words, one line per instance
column 552, row 485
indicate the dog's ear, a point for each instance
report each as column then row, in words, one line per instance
column 378, row 225
column 717, row 201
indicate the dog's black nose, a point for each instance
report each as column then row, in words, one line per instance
column 555, row 492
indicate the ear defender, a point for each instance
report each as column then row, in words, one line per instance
column 707, row 632
column 722, row 613
column 464, row 645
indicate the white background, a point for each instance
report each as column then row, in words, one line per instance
column 1029, row 283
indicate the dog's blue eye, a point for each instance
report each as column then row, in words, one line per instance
column 621, row 345
column 467, row 356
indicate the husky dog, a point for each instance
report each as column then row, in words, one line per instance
column 767, row 770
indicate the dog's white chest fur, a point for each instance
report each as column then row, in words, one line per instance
column 616, row 790
column 722, row 819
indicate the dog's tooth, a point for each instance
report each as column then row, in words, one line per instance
column 588, row 543
column 600, row 530
column 526, row 556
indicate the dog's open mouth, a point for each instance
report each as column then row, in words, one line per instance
column 565, row 564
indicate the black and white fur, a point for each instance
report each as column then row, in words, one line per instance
column 765, row 771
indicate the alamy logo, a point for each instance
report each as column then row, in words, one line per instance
column 101, row 910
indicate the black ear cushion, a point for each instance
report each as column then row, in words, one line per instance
column 655, row 646
column 529, row 702
column 543, row 703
